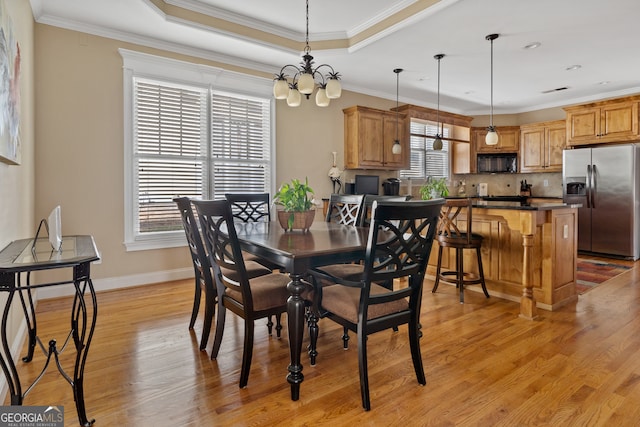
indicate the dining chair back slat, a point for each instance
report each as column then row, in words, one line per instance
column 344, row 208
column 250, row 207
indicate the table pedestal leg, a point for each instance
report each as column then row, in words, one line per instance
column 295, row 319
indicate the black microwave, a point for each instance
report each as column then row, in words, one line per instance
column 497, row 163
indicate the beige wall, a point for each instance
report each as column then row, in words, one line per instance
column 17, row 182
column 80, row 148
column 547, row 114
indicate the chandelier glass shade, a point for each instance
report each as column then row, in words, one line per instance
column 304, row 79
column 492, row 135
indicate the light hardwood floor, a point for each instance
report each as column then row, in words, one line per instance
column 578, row 366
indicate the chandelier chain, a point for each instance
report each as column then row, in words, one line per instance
column 307, row 48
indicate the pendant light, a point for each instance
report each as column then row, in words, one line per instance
column 492, row 135
column 397, row 147
column 437, row 143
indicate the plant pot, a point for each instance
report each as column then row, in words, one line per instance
column 301, row 220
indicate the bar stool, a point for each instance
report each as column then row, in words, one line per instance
column 450, row 236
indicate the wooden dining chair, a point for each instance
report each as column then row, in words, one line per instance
column 249, row 298
column 252, row 207
column 344, row 208
column 450, row 235
column 367, row 204
column 399, row 243
column 201, row 268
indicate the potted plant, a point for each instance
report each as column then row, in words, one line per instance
column 434, row 188
column 296, row 200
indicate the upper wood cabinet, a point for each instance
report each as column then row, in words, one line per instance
column 508, row 139
column 601, row 122
column 541, row 146
column 461, row 158
column 369, row 135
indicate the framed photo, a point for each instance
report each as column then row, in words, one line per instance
column 9, row 91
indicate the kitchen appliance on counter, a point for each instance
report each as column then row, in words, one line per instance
column 525, row 189
column 391, row 187
column 367, row 184
column 606, row 181
column 483, row 189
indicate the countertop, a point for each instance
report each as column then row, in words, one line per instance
column 526, row 205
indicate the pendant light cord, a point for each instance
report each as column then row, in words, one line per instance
column 397, row 71
column 397, row 103
column 491, row 38
column 491, row 118
column 437, row 141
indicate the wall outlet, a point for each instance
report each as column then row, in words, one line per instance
column 545, row 183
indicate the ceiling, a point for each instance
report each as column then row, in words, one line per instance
column 366, row 39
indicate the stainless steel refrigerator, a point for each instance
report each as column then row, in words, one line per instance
column 606, row 181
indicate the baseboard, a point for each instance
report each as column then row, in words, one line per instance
column 108, row 284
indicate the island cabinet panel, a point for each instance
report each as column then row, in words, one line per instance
column 602, row 122
column 553, row 253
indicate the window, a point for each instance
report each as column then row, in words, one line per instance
column 425, row 161
column 191, row 138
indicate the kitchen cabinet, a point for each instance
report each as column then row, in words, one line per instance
column 508, row 140
column 461, row 158
column 601, row 122
column 541, row 146
column 369, row 135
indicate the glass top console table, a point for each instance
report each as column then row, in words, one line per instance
column 17, row 261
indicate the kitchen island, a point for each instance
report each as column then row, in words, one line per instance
column 529, row 252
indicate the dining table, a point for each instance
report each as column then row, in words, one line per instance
column 296, row 252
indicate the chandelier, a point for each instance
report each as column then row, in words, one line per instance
column 304, row 82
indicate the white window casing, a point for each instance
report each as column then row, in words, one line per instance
column 189, row 130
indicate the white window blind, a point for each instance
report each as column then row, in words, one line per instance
column 195, row 142
column 424, row 160
column 170, row 128
column 241, row 159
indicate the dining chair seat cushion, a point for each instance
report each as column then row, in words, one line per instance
column 254, row 269
column 267, row 291
column 349, row 272
column 344, row 301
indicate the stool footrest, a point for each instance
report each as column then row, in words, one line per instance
column 467, row 278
